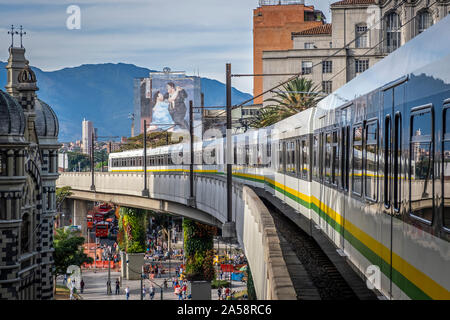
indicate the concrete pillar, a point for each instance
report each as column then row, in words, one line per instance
column 123, row 268
column 134, row 265
column 79, row 215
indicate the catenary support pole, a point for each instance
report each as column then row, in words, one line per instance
column 145, row 191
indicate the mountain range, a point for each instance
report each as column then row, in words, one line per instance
column 103, row 93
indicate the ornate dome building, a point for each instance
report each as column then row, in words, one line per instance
column 28, row 171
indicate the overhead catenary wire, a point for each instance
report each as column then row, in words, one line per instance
column 319, row 63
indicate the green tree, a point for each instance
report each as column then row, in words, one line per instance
column 61, row 194
column 295, row 96
column 198, row 247
column 132, row 229
column 251, row 292
column 68, row 251
column 154, row 139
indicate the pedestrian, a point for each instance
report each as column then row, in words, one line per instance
column 184, row 290
column 144, row 292
column 178, row 292
column 127, row 292
column 152, row 292
column 156, row 271
column 117, row 286
column 165, row 283
column 82, row 285
column 71, row 293
column 227, row 292
column 219, row 292
column 108, row 285
column 65, row 279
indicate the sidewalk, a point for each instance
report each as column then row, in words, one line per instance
column 95, row 287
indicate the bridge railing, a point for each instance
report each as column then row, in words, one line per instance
column 255, row 228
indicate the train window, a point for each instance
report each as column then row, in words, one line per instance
column 421, row 163
column 321, row 156
column 446, row 169
column 298, row 157
column 335, row 168
column 280, row 157
column 235, row 151
column 315, row 156
column 290, row 157
column 305, row 159
column 397, row 155
column 357, row 160
column 371, row 161
column 328, row 155
column 345, row 141
column 387, row 160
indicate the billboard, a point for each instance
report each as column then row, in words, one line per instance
column 163, row 98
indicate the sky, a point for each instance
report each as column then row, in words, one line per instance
column 196, row 36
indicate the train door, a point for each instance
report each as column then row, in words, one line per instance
column 394, row 172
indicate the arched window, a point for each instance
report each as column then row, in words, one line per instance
column 361, row 36
column 25, row 234
column 392, row 24
column 424, row 20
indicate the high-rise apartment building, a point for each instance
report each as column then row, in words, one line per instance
column 274, row 21
column 88, row 129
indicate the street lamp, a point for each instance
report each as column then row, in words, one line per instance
column 109, row 271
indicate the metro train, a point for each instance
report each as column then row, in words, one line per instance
column 369, row 166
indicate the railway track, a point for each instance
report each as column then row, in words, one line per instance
column 321, row 272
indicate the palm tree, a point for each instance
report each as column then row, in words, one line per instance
column 295, row 96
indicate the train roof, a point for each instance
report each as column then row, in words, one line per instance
column 428, row 47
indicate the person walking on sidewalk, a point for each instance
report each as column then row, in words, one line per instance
column 117, row 286
column 127, row 292
column 144, row 292
column 152, row 292
column 82, row 286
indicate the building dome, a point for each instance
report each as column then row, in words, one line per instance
column 12, row 119
column 46, row 123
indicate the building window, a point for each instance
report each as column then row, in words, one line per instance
column 3, row 162
column 309, row 45
column 327, row 87
column 361, row 36
column 25, row 233
column 361, row 65
column 306, row 67
column 392, row 22
column 327, row 66
column 425, row 21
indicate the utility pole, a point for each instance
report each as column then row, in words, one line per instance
column 92, row 162
column 109, row 271
column 145, row 192
column 191, row 166
column 142, row 280
column 229, row 228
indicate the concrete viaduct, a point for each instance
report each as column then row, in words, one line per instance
column 169, row 192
